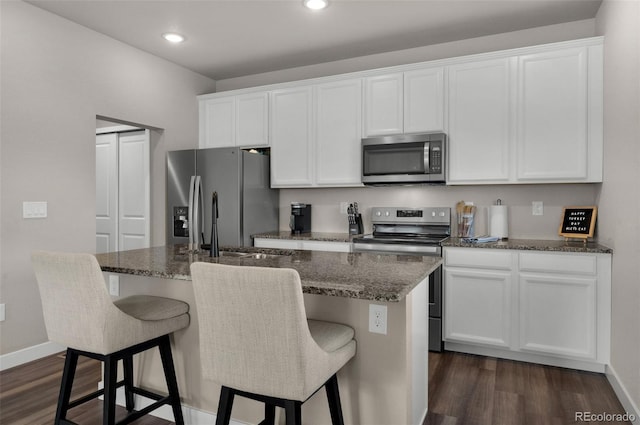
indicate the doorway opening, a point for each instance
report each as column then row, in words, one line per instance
column 123, row 192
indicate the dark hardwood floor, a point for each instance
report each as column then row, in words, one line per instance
column 463, row 390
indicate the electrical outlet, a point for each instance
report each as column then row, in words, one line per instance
column 537, row 208
column 114, row 285
column 378, row 319
column 2, row 312
column 343, row 207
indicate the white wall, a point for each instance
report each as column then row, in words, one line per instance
column 510, row 40
column 56, row 77
column 326, row 215
column 619, row 22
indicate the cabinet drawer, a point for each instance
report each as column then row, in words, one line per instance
column 558, row 263
column 478, row 258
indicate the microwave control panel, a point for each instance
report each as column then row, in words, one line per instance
column 435, row 158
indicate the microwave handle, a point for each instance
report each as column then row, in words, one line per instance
column 426, row 157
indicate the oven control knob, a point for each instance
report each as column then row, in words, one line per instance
column 386, row 213
column 378, row 213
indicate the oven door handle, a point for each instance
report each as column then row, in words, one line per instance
column 396, row 248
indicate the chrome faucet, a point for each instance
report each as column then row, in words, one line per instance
column 214, row 251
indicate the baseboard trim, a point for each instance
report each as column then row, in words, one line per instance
column 623, row 395
column 29, row 354
column 587, row 365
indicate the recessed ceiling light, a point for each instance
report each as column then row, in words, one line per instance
column 173, row 37
column 316, row 4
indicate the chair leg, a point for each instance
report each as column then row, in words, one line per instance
column 224, row 406
column 127, row 367
column 170, row 376
column 269, row 414
column 110, row 383
column 68, row 373
column 293, row 412
column 333, row 395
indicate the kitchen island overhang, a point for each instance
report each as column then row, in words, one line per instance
column 386, row 383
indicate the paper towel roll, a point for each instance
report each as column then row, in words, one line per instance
column 498, row 221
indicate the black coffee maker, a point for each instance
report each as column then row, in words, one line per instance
column 300, row 221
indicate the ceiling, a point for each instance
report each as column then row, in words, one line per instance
column 232, row 38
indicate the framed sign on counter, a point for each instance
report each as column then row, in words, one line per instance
column 578, row 222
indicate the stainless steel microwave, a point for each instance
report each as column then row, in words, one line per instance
column 404, row 159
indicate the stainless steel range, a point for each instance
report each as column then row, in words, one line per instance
column 412, row 231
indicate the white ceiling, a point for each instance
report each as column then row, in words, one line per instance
column 231, row 38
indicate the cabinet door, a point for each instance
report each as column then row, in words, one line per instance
column 477, row 307
column 424, row 100
column 383, row 104
column 479, row 97
column 252, row 120
column 558, row 315
column 291, row 137
column 338, row 134
column 217, row 123
column 552, row 131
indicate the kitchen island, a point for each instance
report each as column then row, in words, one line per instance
column 385, row 383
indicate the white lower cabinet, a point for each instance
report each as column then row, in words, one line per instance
column 558, row 314
column 470, row 294
column 306, row 245
column 547, row 307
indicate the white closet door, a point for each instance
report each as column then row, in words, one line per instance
column 123, row 196
column 106, row 192
column 134, row 191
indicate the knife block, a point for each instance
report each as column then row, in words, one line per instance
column 356, row 228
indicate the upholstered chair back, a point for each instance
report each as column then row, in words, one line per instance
column 254, row 334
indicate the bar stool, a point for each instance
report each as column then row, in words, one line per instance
column 256, row 341
column 79, row 313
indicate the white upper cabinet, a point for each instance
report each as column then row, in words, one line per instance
column 316, row 132
column 252, row 120
column 217, row 122
column 292, row 137
column 383, row 99
column 409, row 102
column 554, row 139
column 424, row 100
column 479, row 127
column 241, row 121
column 526, row 115
column 529, row 118
column 338, row 133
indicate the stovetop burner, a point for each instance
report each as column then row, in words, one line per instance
column 408, row 226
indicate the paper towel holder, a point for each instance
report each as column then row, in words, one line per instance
column 499, row 221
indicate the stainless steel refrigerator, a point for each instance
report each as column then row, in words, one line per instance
column 246, row 203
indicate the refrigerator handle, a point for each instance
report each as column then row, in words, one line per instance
column 193, row 215
column 198, row 213
column 190, row 214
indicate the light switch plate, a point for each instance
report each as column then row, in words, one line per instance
column 34, row 209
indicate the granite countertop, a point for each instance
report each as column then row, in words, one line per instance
column 386, row 278
column 313, row 236
column 534, row 245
